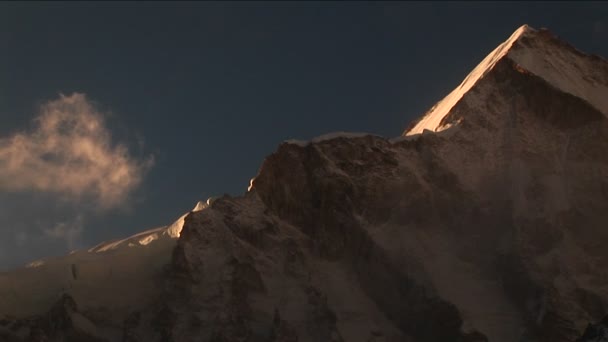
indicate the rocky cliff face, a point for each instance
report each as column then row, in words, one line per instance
column 490, row 223
column 484, row 222
column 63, row 322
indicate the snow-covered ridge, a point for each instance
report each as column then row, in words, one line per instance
column 535, row 51
column 121, row 273
column 141, row 239
column 175, row 229
column 432, row 119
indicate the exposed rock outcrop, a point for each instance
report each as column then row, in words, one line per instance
column 63, row 322
column 596, row 332
column 486, row 227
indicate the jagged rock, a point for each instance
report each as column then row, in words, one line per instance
column 596, row 332
column 65, row 323
column 8, row 336
column 129, row 328
column 62, row 322
column 282, row 331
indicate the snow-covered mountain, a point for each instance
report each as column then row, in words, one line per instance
column 485, row 221
column 108, row 281
column 534, row 52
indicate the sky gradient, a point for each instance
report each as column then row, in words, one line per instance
column 191, row 97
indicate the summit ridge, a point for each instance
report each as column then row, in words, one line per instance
column 536, row 52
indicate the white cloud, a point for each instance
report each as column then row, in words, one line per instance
column 70, row 151
column 70, row 231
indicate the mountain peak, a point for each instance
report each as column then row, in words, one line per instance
column 522, row 31
column 535, row 53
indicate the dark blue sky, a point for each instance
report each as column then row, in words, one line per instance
column 212, row 88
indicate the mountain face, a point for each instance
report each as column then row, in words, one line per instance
column 485, row 221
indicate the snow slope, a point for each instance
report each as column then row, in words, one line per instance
column 122, row 274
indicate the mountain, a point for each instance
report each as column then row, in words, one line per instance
column 108, row 282
column 484, row 221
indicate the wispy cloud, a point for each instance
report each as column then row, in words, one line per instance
column 69, row 231
column 69, row 151
column 57, row 175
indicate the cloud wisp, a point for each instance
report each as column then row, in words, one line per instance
column 70, row 231
column 69, row 151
